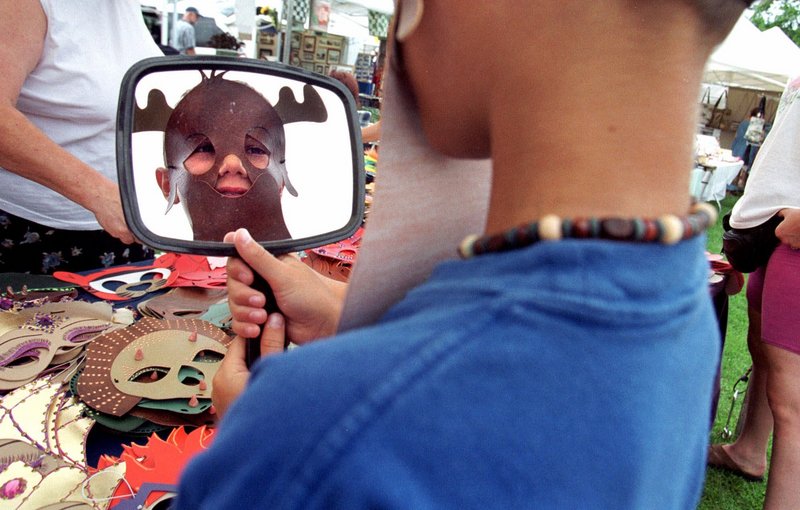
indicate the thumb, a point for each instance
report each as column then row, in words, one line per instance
column 259, row 259
column 233, row 361
column 273, row 336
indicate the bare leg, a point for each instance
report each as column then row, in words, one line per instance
column 749, row 451
column 783, row 391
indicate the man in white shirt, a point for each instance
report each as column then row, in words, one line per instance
column 184, row 37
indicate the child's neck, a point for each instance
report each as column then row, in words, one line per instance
column 593, row 144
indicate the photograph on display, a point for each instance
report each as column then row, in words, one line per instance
column 333, row 56
column 321, row 55
column 309, row 43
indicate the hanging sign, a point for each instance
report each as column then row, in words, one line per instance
column 320, row 15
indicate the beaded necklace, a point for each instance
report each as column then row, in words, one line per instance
column 667, row 229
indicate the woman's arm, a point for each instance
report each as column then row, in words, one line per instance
column 26, row 150
column 371, row 133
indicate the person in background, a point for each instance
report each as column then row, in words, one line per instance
column 348, row 80
column 748, row 140
column 568, row 363
column 59, row 201
column 743, row 149
column 739, row 146
column 773, row 296
column 184, row 37
column 372, row 132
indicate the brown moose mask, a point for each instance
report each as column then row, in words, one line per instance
column 224, row 148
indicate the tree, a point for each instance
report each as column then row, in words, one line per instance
column 784, row 14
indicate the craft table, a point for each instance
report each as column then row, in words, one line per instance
column 710, row 181
column 104, row 450
column 59, row 449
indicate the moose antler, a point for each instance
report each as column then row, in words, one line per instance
column 155, row 115
column 312, row 109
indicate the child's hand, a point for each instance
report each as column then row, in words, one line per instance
column 310, row 303
column 233, row 374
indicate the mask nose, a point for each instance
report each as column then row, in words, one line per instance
column 232, row 165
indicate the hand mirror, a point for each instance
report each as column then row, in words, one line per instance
column 206, row 145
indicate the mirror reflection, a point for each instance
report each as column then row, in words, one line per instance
column 215, row 150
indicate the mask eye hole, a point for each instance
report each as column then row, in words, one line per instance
column 84, row 334
column 136, row 287
column 202, row 157
column 189, row 376
column 151, row 275
column 21, row 361
column 112, row 285
column 257, row 153
column 207, row 357
column 149, row 375
column 26, row 353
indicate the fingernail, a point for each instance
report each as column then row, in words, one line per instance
column 255, row 316
column 254, row 300
column 244, row 235
column 275, row 321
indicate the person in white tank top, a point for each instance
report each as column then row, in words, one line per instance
column 62, row 64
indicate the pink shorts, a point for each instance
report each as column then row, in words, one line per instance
column 778, row 299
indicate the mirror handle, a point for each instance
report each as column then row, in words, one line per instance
column 253, row 346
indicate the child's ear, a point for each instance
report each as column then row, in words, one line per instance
column 162, row 178
column 408, row 18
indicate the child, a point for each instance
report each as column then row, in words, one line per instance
column 566, row 364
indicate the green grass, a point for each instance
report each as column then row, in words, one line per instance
column 725, row 491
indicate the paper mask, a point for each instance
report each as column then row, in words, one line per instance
column 33, row 338
column 123, row 282
column 157, row 462
column 45, row 436
column 153, row 359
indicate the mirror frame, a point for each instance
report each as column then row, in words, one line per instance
column 125, row 114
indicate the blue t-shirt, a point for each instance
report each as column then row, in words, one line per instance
column 574, row 374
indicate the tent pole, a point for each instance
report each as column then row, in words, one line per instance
column 287, row 40
column 174, row 15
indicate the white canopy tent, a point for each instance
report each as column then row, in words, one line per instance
column 354, row 6
column 752, row 59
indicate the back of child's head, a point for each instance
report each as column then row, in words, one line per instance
column 718, row 16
